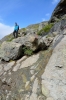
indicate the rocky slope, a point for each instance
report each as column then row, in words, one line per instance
column 27, row 30
column 17, row 48
column 21, row 80
column 54, row 77
column 41, row 76
column 38, row 77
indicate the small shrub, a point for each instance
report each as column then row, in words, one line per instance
column 45, row 29
column 27, row 51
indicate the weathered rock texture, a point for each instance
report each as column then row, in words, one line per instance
column 41, row 76
column 59, row 11
column 31, row 29
column 21, row 79
column 54, row 77
column 15, row 49
column 10, row 51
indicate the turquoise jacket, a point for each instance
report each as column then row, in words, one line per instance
column 16, row 28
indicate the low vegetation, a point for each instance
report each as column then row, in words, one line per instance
column 10, row 39
column 22, row 30
column 27, row 51
column 45, row 29
column 34, row 26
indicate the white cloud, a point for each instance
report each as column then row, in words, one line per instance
column 55, row 1
column 47, row 14
column 5, row 30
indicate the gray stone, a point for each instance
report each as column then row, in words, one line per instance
column 9, row 66
column 35, row 90
column 32, row 72
column 45, row 42
column 35, row 86
column 28, row 41
column 50, row 98
column 9, row 72
column 33, row 97
column 64, row 33
column 27, row 97
column 16, row 67
column 27, row 85
column 54, row 78
column 1, row 69
column 59, row 11
column 41, row 97
column 29, row 61
column 9, row 81
column 10, row 51
column 22, row 59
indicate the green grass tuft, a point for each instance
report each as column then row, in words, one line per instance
column 27, row 51
column 45, row 29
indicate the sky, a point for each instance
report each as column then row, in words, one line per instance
column 24, row 12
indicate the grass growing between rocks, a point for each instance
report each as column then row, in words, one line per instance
column 27, row 51
column 10, row 39
column 22, row 30
column 45, row 29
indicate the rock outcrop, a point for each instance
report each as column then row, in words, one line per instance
column 15, row 49
column 31, row 29
column 54, row 77
column 59, row 12
column 10, row 51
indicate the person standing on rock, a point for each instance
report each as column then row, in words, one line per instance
column 16, row 28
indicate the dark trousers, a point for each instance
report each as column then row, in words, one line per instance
column 15, row 34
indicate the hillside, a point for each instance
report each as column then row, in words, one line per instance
column 33, row 66
column 29, row 29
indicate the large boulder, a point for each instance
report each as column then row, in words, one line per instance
column 34, row 42
column 10, row 51
column 29, row 41
column 44, row 42
column 59, row 11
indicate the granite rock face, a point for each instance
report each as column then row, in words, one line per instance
column 54, row 77
column 59, row 11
